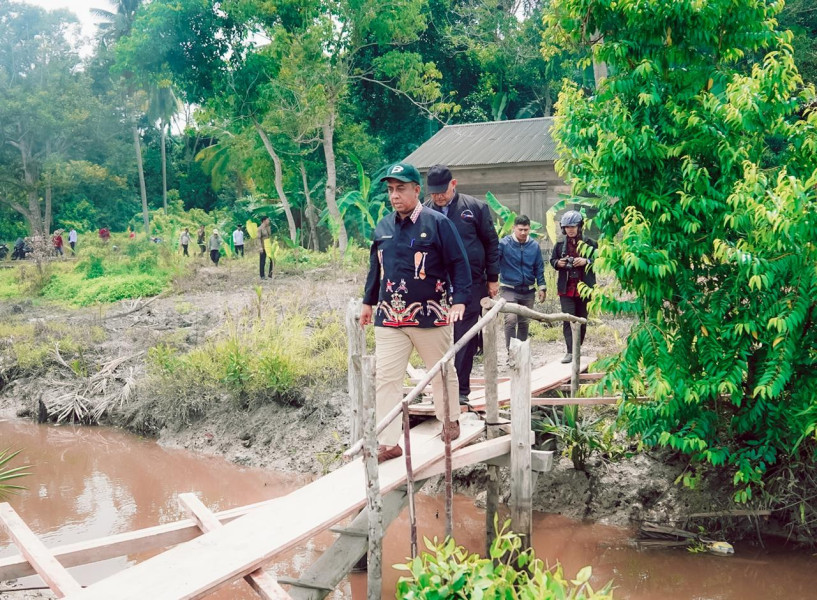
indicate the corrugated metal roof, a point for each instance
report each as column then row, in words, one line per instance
column 494, row 143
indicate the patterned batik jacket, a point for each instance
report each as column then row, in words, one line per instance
column 417, row 269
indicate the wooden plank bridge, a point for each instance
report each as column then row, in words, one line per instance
column 210, row 550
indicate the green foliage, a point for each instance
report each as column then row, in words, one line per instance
column 506, row 217
column 10, row 473
column 704, row 162
column 449, row 571
column 30, row 346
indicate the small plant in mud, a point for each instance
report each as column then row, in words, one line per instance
column 449, row 571
column 579, row 435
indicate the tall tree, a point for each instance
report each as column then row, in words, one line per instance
column 163, row 105
column 45, row 107
column 704, row 167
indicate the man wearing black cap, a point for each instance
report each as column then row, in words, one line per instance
column 418, row 283
column 473, row 221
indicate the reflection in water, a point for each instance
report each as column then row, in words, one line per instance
column 93, row 482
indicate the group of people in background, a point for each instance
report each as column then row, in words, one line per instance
column 432, row 263
column 214, row 242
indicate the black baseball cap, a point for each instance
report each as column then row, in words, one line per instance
column 437, row 179
column 402, row 172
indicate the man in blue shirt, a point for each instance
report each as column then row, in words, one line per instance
column 521, row 273
column 418, row 283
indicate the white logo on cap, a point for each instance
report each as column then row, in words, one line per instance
column 397, row 169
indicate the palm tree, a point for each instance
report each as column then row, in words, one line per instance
column 116, row 23
column 162, row 106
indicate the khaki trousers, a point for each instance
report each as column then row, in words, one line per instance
column 393, row 346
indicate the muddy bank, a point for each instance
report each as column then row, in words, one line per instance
column 311, row 436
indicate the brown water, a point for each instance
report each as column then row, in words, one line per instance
column 92, row 482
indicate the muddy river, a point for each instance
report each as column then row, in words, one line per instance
column 92, row 482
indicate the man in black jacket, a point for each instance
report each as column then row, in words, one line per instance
column 472, row 220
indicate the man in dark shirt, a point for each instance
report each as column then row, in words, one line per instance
column 418, row 283
column 473, row 221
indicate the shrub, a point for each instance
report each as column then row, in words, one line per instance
column 451, row 572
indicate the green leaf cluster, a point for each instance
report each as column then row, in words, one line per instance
column 701, row 146
column 449, row 571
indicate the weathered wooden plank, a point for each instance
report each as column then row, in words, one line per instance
column 194, row 568
column 590, row 401
column 374, row 501
column 356, row 342
column 521, row 482
column 53, row 573
column 543, row 379
column 131, row 542
column 263, row 583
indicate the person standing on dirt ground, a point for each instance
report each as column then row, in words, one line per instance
column 215, row 247
column 264, row 234
column 72, row 240
column 418, row 283
column 521, row 276
column 200, row 235
column 184, row 240
column 238, row 241
column 472, row 220
column 572, row 257
column 57, row 241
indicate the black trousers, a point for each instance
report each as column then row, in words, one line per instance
column 464, row 360
column 576, row 306
column 239, row 249
column 262, row 263
column 184, row 248
column 215, row 255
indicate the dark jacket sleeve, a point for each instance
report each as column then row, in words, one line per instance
column 456, row 261
column 539, row 269
column 490, row 241
column 556, row 254
column 371, row 292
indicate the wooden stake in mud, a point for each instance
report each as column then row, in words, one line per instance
column 449, row 486
column 577, row 358
column 521, row 477
column 410, row 480
column 356, row 337
column 490, row 343
column 373, row 500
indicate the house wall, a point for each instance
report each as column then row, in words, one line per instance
column 529, row 189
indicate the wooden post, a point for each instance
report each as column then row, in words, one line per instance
column 449, row 485
column 373, row 500
column 409, row 480
column 490, row 344
column 577, row 358
column 521, row 484
column 356, row 337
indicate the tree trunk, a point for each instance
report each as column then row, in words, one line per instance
column 331, row 181
column 279, row 180
column 33, row 215
column 137, row 146
column 164, row 168
column 311, row 213
column 47, row 217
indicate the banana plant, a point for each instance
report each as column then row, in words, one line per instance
column 10, row 473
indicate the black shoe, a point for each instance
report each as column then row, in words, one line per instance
column 463, row 400
column 568, row 358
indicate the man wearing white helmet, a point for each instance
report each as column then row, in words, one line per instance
column 572, row 257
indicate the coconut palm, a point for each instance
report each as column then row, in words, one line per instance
column 162, row 107
column 115, row 24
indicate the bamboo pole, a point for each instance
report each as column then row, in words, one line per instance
column 409, row 480
column 490, row 341
column 449, row 485
column 356, row 341
column 373, row 500
column 524, row 311
column 521, row 477
column 417, row 390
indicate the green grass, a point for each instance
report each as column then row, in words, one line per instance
column 32, row 345
column 9, row 284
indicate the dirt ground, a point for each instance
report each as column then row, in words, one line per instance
column 312, row 438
